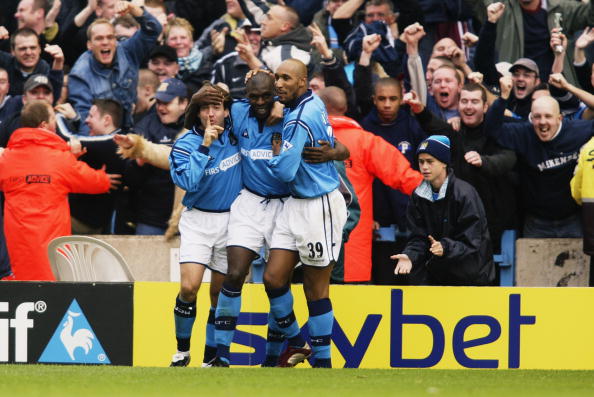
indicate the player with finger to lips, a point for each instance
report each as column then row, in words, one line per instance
column 205, row 162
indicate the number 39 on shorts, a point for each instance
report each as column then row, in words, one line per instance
column 315, row 249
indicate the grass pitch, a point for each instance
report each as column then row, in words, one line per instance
column 50, row 380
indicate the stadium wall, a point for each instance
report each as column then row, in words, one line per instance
column 540, row 262
column 375, row 327
column 386, row 327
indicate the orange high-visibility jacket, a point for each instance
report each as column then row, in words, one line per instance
column 371, row 157
column 37, row 171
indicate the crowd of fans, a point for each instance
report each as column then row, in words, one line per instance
column 509, row 83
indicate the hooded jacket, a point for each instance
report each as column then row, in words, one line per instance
column 457, row 220
column 37, row 171
column 294, row 44
column 371, row 157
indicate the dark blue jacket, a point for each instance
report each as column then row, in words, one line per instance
column 390, row 57
column 457, row 220
column 151, row 188
column 545, row 167
column 404, row 133
column 436, row 11
column 11, row 104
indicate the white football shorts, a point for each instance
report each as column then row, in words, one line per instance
column 313, row 227
column 252, row 221
column 204, row 239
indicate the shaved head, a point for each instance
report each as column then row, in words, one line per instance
column 291, row 80
column 290, row 15
column 545, row 117
column 296, row 66
column 279, row 20
column 388, row 82
column 547, row 102
column 335, row 100
column 261, row 81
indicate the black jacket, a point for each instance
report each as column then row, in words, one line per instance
column 493, row 179
column 545, row 167
column 96, row 210
column 152, row 189
column 231, row 70
column 17, row 78
column 457, row 220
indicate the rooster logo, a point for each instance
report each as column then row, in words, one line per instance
column 72, row 332
column 82, row 338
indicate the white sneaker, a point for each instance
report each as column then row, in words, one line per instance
column 180, row 360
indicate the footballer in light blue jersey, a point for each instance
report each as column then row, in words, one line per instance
column 206, row 163
column 310, row 225
column 305, row 125
column 256, row 150
column 211, row 176
column 254, row 213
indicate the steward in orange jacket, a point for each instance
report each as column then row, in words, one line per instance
column 371, row 157
column 37, row 171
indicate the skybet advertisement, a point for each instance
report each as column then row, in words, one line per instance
column 66, row 323
column 374, row 327
column 398, row 327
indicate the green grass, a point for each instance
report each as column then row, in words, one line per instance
column 49, row 380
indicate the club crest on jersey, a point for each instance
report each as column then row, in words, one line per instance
column 287, row 145
column 245, row 134
column 404, row 147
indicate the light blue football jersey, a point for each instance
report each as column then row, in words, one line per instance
column 304, row 125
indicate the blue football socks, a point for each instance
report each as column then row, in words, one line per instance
column 228, row 308
column 184, row 314
column 321, row 320
column 281, row 307
column 274, row 343
column 210, row 347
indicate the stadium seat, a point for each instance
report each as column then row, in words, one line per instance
column 506, row 260
column 83, row 258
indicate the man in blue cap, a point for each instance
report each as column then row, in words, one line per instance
column 449, row 243
column 152, row 189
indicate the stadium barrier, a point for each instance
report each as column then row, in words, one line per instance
column 375, row 326
column 66, row 323
column 399, row 327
